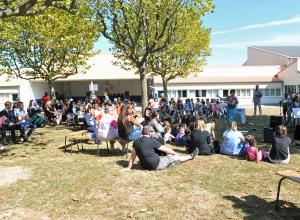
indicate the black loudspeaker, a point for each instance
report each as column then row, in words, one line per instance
column 297, row 133
column 275, row 121
column 268, row 135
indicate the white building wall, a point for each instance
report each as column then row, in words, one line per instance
column 79, row 88
column 244, row 100
column 257, row 57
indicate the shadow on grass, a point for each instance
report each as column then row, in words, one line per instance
column 124, row 164
column 102, row 152
column 258, row 208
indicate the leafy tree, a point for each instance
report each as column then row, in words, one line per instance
column 188, row 53
column 140, row 28
column 50, row 46
column 10, row 8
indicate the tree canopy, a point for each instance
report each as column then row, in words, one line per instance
column 48, row 46
column 186, row 55
column 138, row 29
column 10, row 8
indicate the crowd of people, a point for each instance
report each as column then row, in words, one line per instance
column 181, row 122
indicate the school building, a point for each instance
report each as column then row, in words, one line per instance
column 276, row 69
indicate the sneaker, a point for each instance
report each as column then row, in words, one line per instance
column 195, row 153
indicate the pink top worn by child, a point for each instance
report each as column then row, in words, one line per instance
column 254, row 154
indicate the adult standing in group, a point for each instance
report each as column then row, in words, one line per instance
column 257, row 94
column 232, row 102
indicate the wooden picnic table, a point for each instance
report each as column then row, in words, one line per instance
column 287, row 174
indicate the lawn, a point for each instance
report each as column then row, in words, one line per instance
column 84, row 186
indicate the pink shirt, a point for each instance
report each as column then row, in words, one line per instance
column 251, row 152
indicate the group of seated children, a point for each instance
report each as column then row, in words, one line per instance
column 235, row 144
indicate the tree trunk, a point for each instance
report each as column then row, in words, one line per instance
column 165, row 87
column 143, row 79
column 52, row 90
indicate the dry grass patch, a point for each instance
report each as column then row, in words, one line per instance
column 85, row 186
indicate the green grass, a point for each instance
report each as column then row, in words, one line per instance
column 85, row 186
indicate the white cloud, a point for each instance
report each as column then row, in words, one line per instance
column 293, row 20
column 291, row 39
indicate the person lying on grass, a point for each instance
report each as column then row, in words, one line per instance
column 147, row 149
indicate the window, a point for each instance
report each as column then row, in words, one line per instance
column 192, row 93
column 248, row 92
column 278, row 92
column 243, row 92
column 225, row 93
column 290, row 88
column 197, row 93
column 209, row 93
column 237, row 92
column 160, row 94
column 267, row 92
column 184, row 93
column 203, row 93
column 272, row 92
column 179, row 93
column 215, row 93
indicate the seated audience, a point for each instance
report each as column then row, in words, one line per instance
column 146, row 147
column 9, row 124
column 253, row 153
column 108, row 126
column 280, row 152
column 35, row 114
column 201, row 139
column 233, row 141
column 148, row 111
column 90, row 122
column 154, row 122
column 23, row 121
column 129, row 127
column 210, row 127
column 181, row 138
column 168, row 137
column 51, row 113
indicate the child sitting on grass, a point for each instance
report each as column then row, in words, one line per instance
column 182, row 138
column 168, row 137
column 253, row 153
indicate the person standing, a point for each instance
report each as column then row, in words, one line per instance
column 257, row 94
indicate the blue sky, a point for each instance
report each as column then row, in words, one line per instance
column 237, row 24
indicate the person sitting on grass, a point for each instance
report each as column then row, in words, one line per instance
column 201, row 139
column 253, row 153
column 181, row 138
column 145, row 149
column 280, row 152
column 233, row 144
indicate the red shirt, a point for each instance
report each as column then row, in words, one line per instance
column 45, row 99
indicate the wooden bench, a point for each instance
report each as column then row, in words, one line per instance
column 287, row 174
column 77, row 138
